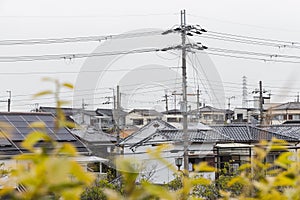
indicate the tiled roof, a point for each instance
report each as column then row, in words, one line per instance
column 157, row 124
column 94, row 136
column 202, row 136
column 67, row 111
column 286, row 130
column 102, row 111
column 172, row 112
column 287, row 106
column 247, row 133
column 195, row 135
column 109, row 112
column 146, row 112
column 211, row 109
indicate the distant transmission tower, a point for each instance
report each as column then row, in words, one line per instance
column 245, row 93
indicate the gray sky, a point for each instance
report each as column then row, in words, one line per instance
column 70, row 18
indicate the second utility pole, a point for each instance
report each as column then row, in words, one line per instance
column 261, row 101
column 184, row 93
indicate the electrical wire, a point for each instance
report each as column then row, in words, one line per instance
column 73, row 56
column 250, row 58
column 77, row 39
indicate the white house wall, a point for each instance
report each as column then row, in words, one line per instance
column 163, row 174
column 5, row 180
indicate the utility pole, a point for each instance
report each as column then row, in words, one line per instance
column 229, row 99
column 184, row 93
column 198, row 103
column 82, row 110
column 185, row 30
column 118, row 113
column 261, row 102
column 166, row 99
column 175, row 102
column 8, row 100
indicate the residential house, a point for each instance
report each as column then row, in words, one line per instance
column 100, row 119
column 245, row 137
column 173, row 117
column 202, row 140
column 140, row 117
column 210, row 115
column 220, row 145
column 108, row 118
column 283, row 113
column 246, row 115
column 19, row 122
column 79, row 116
column 100, row 144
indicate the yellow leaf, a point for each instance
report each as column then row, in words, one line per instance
column 112, row 195
column 43, row 93
column 235, row 180
column 158, row 191
column 33, row 138
column 68, row 149
column 48, row 79
column 61, row 103
column 284, row 160
column 204, row 167
column 68, row 85
column 201, row 181
column 245, row 166
column 82, row 176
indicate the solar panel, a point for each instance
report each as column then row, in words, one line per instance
column 50, row 124
column 16, row 135
column 19, row 124
column 4, row 141
column 20, row 121
column 30, row 118
column 13, row 118
column 45, row 118
column 3, row 118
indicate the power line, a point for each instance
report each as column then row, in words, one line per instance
column 255, row 38
column 87, row 71
column 73, row 56
column 253, row 53
column 77, row 39
column 251, row 58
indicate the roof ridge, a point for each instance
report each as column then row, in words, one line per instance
column 268, row 131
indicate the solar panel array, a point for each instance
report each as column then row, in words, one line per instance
column 20, row 122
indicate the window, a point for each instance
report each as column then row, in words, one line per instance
column 230, row 163
column 296, row 117
column 206, row 117
column 94, row 121
column 172, row 119
column 278, row 117
column 137, row 121
column 215, row 117
column 271, row 158
column 194, row 161
column 239, row 117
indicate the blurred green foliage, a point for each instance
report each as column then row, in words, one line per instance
column 50, row 172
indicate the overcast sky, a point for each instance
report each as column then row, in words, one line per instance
column 70, row 18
